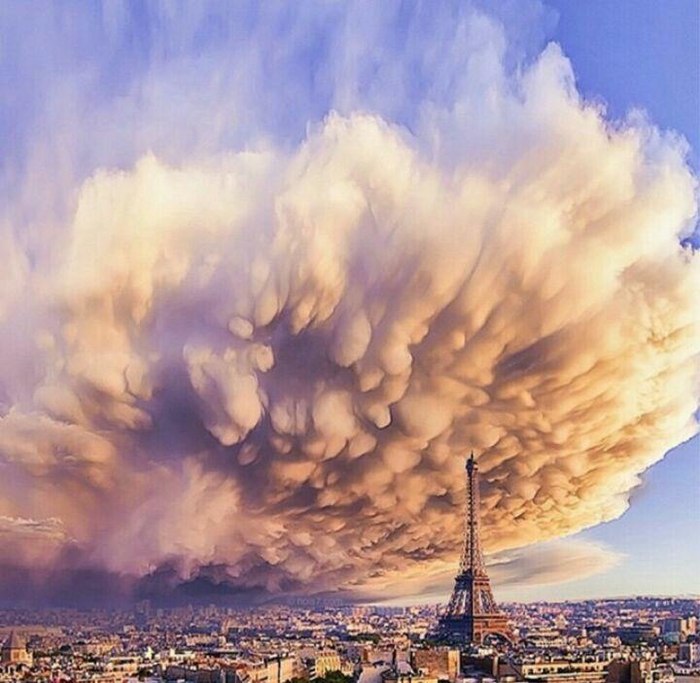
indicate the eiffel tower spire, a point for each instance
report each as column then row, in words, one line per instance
column 472, row 613
column 472, row 559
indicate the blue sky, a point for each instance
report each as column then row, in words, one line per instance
column 657, row 538
column 642, row 53
column 658, row 535
column 637, row 53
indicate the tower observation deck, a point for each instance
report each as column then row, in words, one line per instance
column 472, row 613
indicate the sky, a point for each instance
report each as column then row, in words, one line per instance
column 637, row 54
column 273, row 270
column 642, row 54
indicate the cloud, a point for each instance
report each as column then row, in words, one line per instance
column 551, row 562
column 259, row 369
column 30, row 541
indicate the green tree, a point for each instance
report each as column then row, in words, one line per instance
column 335, row 677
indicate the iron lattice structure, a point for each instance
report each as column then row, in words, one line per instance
column 472, row 613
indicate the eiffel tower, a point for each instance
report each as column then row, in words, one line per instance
column 472, row 612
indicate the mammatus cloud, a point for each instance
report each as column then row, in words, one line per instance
column 262, row 369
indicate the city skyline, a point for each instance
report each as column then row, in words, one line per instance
column 211, row 644
column 272, row 271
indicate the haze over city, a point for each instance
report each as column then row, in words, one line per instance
column 273, row 270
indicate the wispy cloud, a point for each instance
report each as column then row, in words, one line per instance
column 548, row 563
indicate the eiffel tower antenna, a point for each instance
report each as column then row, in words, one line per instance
column 472, row 613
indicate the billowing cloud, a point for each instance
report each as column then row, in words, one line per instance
column 262, row 368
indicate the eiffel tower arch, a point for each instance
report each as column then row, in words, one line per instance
column 472, row 613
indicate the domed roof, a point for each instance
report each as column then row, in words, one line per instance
column 13, row 642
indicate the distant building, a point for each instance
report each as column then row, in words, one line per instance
column 438, row 662
column 14, row 651
column 277, row 669
column 629, row 672
column 321, row 663
column 191, row 675
column 675, row 625
column 679, row 628
column 555, row 671
column 638, row 633
column 280, row 669
column 401, row 672
column 393, row 676
column 14, row 657
column 689, row 652
column 372, row 673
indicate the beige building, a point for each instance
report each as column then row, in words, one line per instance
column 394, row 675
column 14, row 657
column 321, row 663
column 556, row 671
column 279, row 669
column 438, row 662
column 629, row 672
column 14, row 651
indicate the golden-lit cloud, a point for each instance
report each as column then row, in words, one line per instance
column 267, row 367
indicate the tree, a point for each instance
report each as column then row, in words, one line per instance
column 335, row 677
